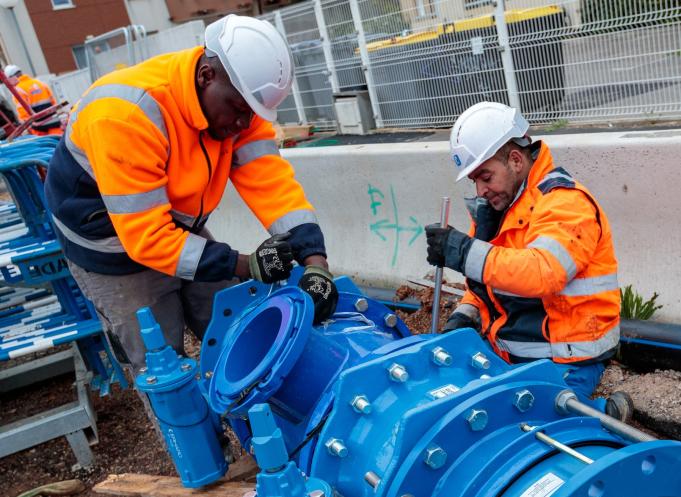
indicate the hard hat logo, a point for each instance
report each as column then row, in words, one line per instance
column 256, row 58
column 481, row 131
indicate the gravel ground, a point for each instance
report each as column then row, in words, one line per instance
column 129, row 444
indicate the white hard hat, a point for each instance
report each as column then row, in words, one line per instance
column 481, row 131
column 256, row 58
column 12, row 70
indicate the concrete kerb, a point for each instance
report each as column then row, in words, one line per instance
column 373, row 200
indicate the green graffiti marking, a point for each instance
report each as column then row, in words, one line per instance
column 375, row 203
column 383, row 227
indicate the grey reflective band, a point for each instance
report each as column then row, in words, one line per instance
column 475, row 260
column 556, row 175
column 131, row 94
column 508, row 294
column 562, row 350
column 254, row 150
column 136, row 202
column 41, row 102
column 468, row 310
column 558, row 251
column 291, row 220
column 190, row 256
column 186, row 219
column 77, row 153
column 591, row 286
column 111, row 245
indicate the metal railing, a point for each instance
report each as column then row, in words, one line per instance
column 425, row 61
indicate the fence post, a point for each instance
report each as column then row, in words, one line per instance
column 506, row 55
column 366, row 63
column 300, row 108
column 326, row 46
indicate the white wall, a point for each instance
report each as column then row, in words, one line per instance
column 633, row 175
column 152, row 14
column 11, row 41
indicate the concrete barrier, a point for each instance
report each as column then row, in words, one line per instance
column 373, row 201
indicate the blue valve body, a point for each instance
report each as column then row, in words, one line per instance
column 190, row 429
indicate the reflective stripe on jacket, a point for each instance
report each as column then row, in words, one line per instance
column 39, row 97
column 137, row 175
column 545, row 280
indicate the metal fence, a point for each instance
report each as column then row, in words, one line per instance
column 424, row 61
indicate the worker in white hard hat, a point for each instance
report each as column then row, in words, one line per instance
column 145, row 160
column 38, row 96
column 539, row 259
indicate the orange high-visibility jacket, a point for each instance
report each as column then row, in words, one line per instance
column 39, row 97
column 549, row 275
column 133, row 181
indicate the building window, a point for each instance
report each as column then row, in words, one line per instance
column 471, row 4
column 79, row 55
column 62, row 4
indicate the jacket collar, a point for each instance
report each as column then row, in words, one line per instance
column 542, row 166
column 182, row 75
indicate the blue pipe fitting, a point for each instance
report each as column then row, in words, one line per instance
column 187, row 424
column 273, row 353
column 366, row 410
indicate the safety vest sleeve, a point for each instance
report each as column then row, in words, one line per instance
column 562, row 237
column 128, row 156
column 22, row 114
column 266, row 181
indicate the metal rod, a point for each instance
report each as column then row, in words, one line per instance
column 543, row 437
column 444, row 222
column 566, row 402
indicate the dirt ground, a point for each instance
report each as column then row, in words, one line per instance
column 129, row 444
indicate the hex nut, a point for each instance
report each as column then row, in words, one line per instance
column 524, row 400
column 435, row 457
column 477, row 419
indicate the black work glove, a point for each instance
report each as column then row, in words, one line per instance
column 317, row 282
column 271, row 261
column 459, row 320
column 447, row 247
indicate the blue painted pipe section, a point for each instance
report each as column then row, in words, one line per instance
column 188, row 426
column 248, row 356
column 368, row 410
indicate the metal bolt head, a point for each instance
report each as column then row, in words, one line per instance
column 485, row 377
column 524, row 400
column 390, row 320
column 336, row 447
column 361, row 305
column 208, row 375
column 317, row 493
column 480, row 361
column 477, row 419
column 435, row 457
column 151, row 380
column 143, row 370
column 398, row 373
column 441, row 357
column 361, row 404
column 186, row 367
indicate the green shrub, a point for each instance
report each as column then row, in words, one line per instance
column 633, row 306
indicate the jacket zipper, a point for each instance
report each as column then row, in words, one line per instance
column 210, row 174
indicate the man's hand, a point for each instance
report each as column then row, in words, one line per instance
column 447, row 247
column 318, row 283
column 272, row 260
column 436, row 237
column 459, row 320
